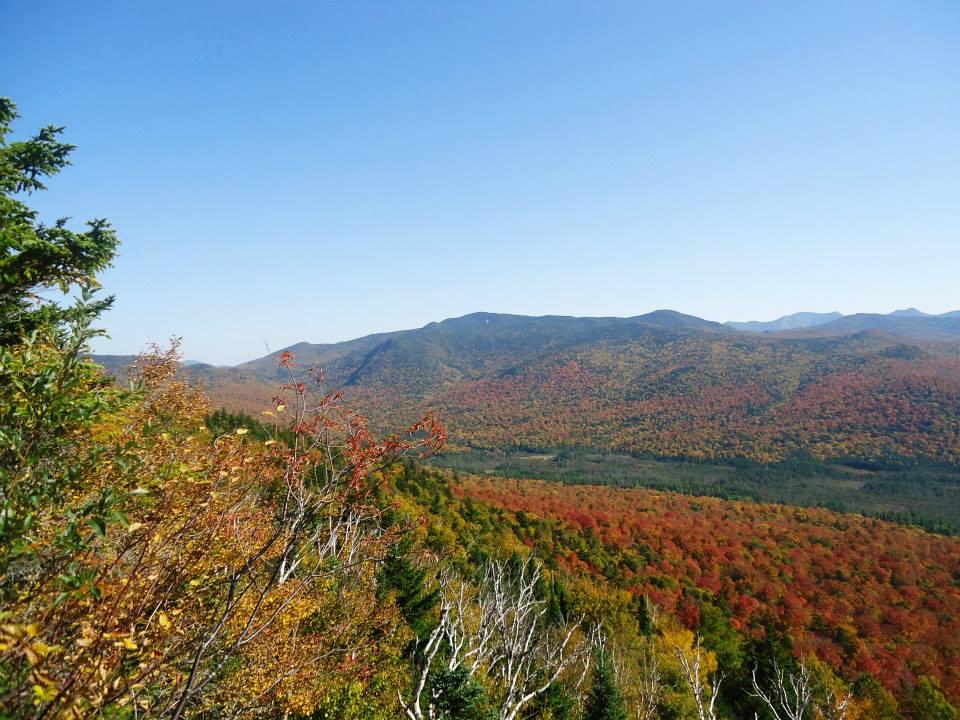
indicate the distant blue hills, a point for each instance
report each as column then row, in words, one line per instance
column 840, row 322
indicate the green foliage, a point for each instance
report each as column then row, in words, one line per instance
column 557, row 703
column 719, row 636
column 33, row 256
column 643, row 611
column 877, row 702
column 357, row 701
column 460, row 696
column 408, row 583
column 50, row 396
column 224, row 422
column 559, row 605
column 604, row 701
column 928, row 703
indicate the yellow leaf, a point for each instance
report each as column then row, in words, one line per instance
column 129, row 644
column 242, row 431
column 43, row 694
column 133, row 527
column 40, row 647
column 270, row 442
column 163, row 620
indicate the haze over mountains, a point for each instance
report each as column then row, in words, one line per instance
column 787, row 322
column 809, row 319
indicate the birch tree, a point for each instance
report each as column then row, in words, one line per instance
column 800, row 695
column 496, row 630
column 704, row 684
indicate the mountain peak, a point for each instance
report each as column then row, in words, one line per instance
column 909, row 312
column 795, row 321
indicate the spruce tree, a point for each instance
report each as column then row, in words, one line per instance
column 35, row 257
column 605, row 702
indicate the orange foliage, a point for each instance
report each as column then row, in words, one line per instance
column 863, row 595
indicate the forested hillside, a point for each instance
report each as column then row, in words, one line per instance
column 664, row 384
column 869, row 598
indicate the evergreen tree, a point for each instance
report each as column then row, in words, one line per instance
column 50, row 396
column 35, row 257
column 460, row 696
column 557, row 703
column 605, row 702
column 415, row 601
column 644, row 611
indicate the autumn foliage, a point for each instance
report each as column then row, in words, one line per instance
column 228, row 573
column 865, row 596
column 650, row 389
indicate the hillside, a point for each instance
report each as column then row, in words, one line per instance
column 664, row 384
column 866, row 596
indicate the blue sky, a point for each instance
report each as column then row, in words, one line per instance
column 317, row 171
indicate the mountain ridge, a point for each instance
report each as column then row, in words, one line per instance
column 786, row 322
column 663, row 383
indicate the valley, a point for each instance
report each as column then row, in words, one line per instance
column 858, row 413
column 923, row 495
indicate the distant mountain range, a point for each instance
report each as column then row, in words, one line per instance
column 787, row 322
column 668, row 384
column 809, row 319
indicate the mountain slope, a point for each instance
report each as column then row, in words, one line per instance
column 787, row 322
column 471, row 347
column 666, row 384
column 907, row 324
column 874, row 387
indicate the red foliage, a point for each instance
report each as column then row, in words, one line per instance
column 864, row 595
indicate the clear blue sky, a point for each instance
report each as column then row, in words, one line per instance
column 286, row 171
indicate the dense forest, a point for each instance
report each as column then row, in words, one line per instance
column 663, row 384
column 923, row 495
column 160, row 559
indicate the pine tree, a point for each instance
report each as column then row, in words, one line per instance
column 35, row 257
column 460, row 696
column 415, row 601
column 605, row 702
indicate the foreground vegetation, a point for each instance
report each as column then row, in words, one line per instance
column 161, row 560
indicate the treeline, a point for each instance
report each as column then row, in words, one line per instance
column 918, row 494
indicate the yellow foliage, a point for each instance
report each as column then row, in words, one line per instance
column 206, row 588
